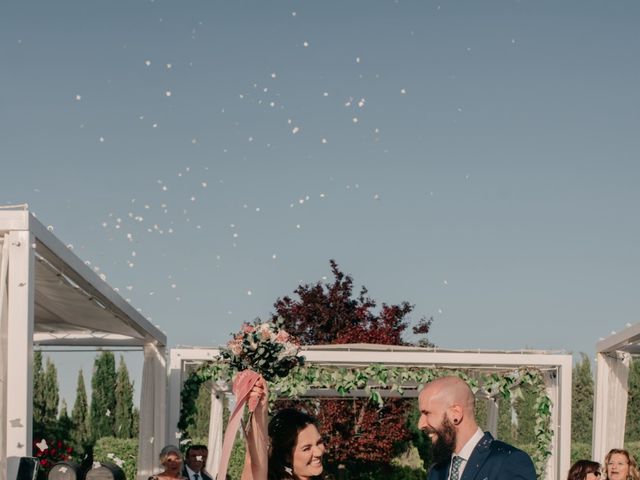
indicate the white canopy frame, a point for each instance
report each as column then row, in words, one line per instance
column 613, row 356
column 48, row 296
column 557, row 380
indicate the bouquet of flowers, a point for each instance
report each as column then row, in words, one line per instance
column 266, row 348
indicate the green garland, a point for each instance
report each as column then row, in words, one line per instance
column 376, row 377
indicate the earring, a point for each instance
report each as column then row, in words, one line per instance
column 289, row 470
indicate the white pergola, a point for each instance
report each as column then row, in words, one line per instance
column 557, row 369
column 49, row 297
column 613, row 356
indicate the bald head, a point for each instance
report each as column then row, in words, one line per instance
column 447, row 412
column 451, row 391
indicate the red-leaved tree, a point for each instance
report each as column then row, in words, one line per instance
column 356, row 430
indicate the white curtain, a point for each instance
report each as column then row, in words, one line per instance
column 153, row 410
column 610, row 406
column 215, row 431
column 492, row 416
column 4, row 270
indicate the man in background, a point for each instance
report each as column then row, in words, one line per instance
column 195, row 461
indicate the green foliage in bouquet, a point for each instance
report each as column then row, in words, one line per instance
column 266, row 348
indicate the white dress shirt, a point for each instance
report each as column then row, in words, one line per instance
column 191, row 473
column 466, row 451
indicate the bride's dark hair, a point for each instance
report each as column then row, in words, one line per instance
column 283, row 434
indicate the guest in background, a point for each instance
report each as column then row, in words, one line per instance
column 620, row 465
column 584, row 470
column 195, row 461
column 171, row 461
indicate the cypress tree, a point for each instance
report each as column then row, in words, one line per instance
column 39, row 397
column 582, row 402
column 526, row 414
column 507, row 419
column 80, row 416
column 136, row 423
column 65, row 425
column 51, row 393
column 103, row 396
column 200, row 427
column 632, row 432
column 124, row 403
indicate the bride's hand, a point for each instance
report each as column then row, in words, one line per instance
column 258, row 393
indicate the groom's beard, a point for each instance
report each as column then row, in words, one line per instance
column 445, row 443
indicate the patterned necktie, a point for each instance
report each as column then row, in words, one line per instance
column 455, row 468
column 196, row 476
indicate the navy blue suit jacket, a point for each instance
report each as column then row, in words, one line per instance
column 490, row 460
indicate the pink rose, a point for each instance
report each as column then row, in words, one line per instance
column 235, row 346
column 282, row 337
column 248, row 328
column 265, row 331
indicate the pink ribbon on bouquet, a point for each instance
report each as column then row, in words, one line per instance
column 242, row 385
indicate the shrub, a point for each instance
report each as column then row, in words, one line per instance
column 120, row 451
column 581, row 451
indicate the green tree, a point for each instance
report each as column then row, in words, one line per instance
column 124, row 403
column 632, row 432
column 39, row 398
column 103, row 396
column 80, row 416
column 582, row 401
column 200, row 427
column 65, row 424
column 526, row 414
column 136, row 422
column 507, row 420
column 52, row 395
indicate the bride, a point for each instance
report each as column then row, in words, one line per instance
column 293, row 449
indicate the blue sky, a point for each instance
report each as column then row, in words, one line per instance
column 477, row 159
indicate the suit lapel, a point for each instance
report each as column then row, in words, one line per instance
column 478, row 457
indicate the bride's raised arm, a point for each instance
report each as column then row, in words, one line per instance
column 256, row 464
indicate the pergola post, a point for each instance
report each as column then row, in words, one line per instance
column 216, row 426
column 19, row 380
column 610, row 405
column 153, row 397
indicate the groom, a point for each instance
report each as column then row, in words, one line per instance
column 461, row 450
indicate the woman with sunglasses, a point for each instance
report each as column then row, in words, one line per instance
column 584, row 470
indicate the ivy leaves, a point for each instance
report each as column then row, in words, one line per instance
column 377, row 379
